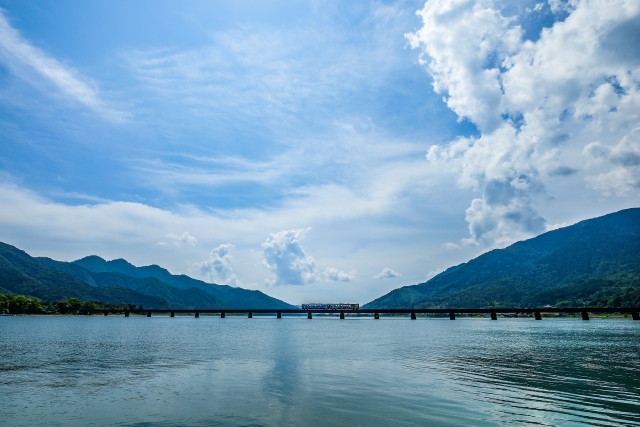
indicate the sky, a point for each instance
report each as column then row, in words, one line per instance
column 317, row 151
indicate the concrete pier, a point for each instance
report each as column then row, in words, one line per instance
column 585, row 315
column 309, row 315
column 173, row 314
column 376, row 316
column 197, row 314
column 279, row 315
column 452, row 316
column 494, row 316
column 342, row 315
column 250, row 315
column 148, row 314
column 222, row 314
column 413, row 315
column 537, row 315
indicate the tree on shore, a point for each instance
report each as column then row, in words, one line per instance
column 20, row 304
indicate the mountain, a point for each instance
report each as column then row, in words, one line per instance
column 24, row 275
column 119, row 282
column 230, row 296
column 595, row 262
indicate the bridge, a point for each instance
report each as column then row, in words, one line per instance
column 411, row 312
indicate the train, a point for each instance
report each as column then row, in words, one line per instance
column 332, row 306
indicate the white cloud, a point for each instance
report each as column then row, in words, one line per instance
column 387, row 273
column 218, row 267
column 336, row 275
column 623, row 178
column 234, row 281
column 23, row 58
column 282, row 253
column 537, row 105
column 434, row 273
column 183, row 239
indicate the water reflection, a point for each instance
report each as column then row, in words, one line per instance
column 74, row 371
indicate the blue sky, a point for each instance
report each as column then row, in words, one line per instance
column 315, row 151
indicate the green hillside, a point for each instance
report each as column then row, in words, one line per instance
column 24, row 275
column 230, row 296
column 594, row 262
column 118, row 282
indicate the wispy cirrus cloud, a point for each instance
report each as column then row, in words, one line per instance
column 27, row 61
column 277, row 79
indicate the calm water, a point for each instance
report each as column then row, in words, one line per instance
column 96, row 371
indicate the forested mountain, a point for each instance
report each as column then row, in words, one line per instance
column 118, row 282
column 594, row 262
column 231, row 297
column 24, row 275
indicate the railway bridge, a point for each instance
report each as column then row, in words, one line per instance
column 537, row 313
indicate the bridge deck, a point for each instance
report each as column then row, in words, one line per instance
column 376, row 312
column 598, row 310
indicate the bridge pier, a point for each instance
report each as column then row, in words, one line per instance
column 250, row 315
column 126, row 314
column 537, row 315
column 173, row 314
column 197, row 315
column 452, row 316
column 148, row 314
column 376, row 316
column 279, row 315
column 309, row 315
column 585, row 315
column 635, row 315
column 413, row 315
column 342, row 315
column 494, row 316
column 106, row 313
column 222, row 314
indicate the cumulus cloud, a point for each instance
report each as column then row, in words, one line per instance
column 282, row 253
column 623, row 176
column 218, row 267
column 20, row 55
column 536, row 103
column 183, row 239
column 434, row 273
column 336, row 275
column 387, row 273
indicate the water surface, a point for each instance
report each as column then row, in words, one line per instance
column 105, row 371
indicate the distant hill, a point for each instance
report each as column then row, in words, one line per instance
column 594, row 262
column 230, row 296
column 118, row 282
column 24, row 275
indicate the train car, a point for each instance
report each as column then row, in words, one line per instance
column 315, row 306
column 331, row 306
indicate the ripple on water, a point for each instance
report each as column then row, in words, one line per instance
column 134, row 371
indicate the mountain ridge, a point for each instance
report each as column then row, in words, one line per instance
column 106, row 281
column 235, row 297
column 595, row 262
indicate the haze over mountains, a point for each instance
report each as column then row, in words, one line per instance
column 117, row 281
column 595, row 262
